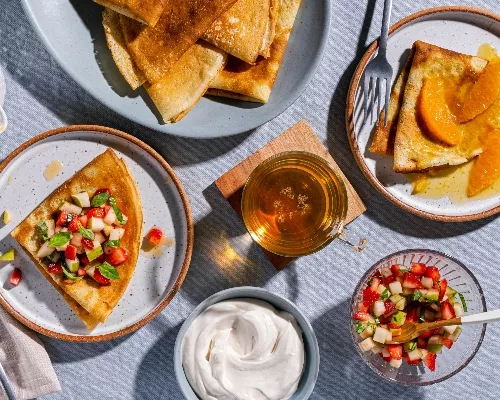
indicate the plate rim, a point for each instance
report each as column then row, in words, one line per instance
column 296, row 92
column 349, row 116
column 74, row 129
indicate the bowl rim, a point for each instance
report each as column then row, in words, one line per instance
column 242, row 292
column 397, row 254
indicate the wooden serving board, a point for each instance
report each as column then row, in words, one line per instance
column 299, row 137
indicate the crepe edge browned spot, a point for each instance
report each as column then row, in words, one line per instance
column 139, row 12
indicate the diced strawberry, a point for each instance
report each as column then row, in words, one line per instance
column 447, row 342
column 370, row 296
column 435, row 331
column 73, row 225
column 117, row 256
column 390, row 307
column 421, row 343
column 396, row 351
column 70, row 252
column 95, row 212
column 426, row 335
column 362, row 316
column 386, row 359
column 418, row 269
column 54, row 269
column 84, row 259
column 99, row 278
column 447, row 311
column 15, row 277
column 83, row 220
column 362, row 307
column 442, row 285
column 81, row 271
column 411, row 315
column 411, row 281
column 395, row 269
column 156, row 234
column 106, row 208
column 375, row 283
column 433, row 273
column 430, row 361
column 87, row 243
column 102, row 190
column 62, row 219
column 388, row 279
column 392, row 325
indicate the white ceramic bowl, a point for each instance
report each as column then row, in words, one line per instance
column 311, row 367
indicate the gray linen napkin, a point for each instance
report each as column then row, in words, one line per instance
column 25, row 361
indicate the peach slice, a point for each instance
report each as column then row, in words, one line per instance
column 486, row 169
column 482, row 95
column 436, row 114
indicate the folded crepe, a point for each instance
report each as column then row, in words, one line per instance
column 187, row 81
column 246, row 30
column 156, row 50
column 119, row 51
column 90, row 301
column 145, row 11
column 240, row 80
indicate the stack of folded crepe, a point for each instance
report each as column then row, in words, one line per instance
column 182, row 50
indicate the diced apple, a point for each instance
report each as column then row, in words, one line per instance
column 70, row 208
column 396, row 287
column 436, row 339
column 380, row 289
column 424, row 352
column 99, row 237
column 97, row 251
column 395, row 298
column 415, row 355
column 450, row 329
column 110, row 217
column 435, row 307
column 385, row 272
column 45, row 250
column 107, row 229
column 73, row 265
column 385, row 351
column 427, row 282
column 76, row 240
column 368, row 332
column 95, row 224
column 381, row 335
column 367, row 344
column 395, row 363
column 116, row 234
column 431, row 295
column 377, row 349
column 81, row 199
column 459, row 311
column 51, row 227
column 456, row 334
column 378, row 308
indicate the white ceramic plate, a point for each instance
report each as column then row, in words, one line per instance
column 460, row 29
column 156, row 280
column 72, row 33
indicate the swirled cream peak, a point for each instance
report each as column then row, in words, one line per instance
column 243, row 349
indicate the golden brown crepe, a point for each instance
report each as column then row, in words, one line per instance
column 156, row 50
column 414, row 150
column 91, row 301
column 145, row 11
column 243, row 81
column 119, row 51
column 187, row 81
column 246, row 30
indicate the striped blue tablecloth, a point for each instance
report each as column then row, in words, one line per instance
column 40, row 96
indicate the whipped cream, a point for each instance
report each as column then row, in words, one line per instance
column 243, row 349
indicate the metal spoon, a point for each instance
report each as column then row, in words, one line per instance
column 3, row 120
column 6, row 384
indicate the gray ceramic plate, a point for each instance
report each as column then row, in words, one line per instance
column 72, row 32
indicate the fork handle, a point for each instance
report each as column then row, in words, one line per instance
column 489, row 316
column 384, row 34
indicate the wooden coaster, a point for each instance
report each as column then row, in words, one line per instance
column 299, row 137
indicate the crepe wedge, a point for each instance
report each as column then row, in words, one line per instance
column 246, row 30
column 240, row 80
column 91, row 302
column 414, row 149
column 156, row 50
column 145, row 11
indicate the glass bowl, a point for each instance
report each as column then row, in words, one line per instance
column 450, row 361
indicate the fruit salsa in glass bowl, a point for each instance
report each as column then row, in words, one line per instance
column 418, row 286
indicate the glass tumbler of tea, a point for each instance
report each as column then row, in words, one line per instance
column 294, row 204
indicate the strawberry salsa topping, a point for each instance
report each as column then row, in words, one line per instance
column 397, row 295
column 84, row 238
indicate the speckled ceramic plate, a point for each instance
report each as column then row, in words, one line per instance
column 79, row 46
column 462, row 29
column 156, row 280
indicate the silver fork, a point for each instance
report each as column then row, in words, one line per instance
column 4, row 381
column 379, row 69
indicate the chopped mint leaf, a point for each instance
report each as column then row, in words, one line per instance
column 118, row 213
column 86, row 233
column 99, row 199
column 70, row 276
column 111, row 243
column 462, row 299
column 385, row 294
column 44, row 230
column 412, row 346
column 377, row 321
column 360, row 327
column 417, row 295
column 108, row 271
column 59, row 239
